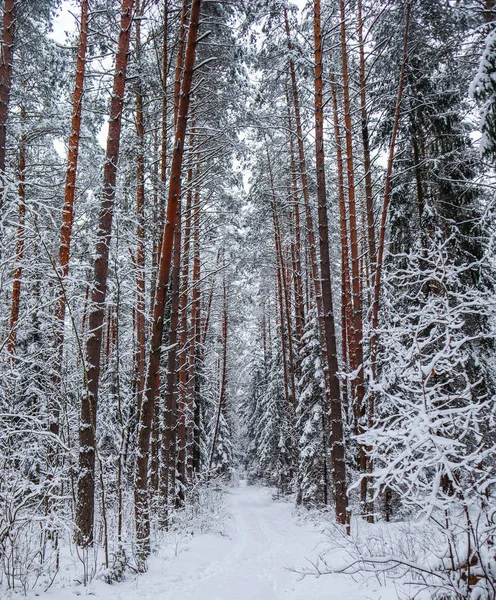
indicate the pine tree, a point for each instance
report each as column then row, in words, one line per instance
column 312, row 446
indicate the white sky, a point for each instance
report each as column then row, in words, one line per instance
column 65, row 22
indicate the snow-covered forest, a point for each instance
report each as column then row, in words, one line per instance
column 247, row 291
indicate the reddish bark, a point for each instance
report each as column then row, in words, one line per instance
column 180, row 59
column 366, row 143
column 336, row 417
column 6, row 58
column 19, row 255
column 314, row 274
column 312, row 249
column 356, row 330
column 168, row 450
column 141, row 500
column 489, row 11
column 69, row 194
column 85, row 505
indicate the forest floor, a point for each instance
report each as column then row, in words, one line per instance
column 257, row 556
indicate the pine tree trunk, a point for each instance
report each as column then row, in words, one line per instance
column 204, row 327
column 221, row 408
column 356, row 330
column 169, row 435
column 6, row 59
column 286, row 325
column 140, row 218
column 85, row 505
column 163, row 150
column 369, row 199
column 19, row 254
column 346, row 307
column 68, row 208
column 300, row 310
column 311, row 244
column 141, row 500
column 279, row 279
column 336, row 417
column 183, row 409
column 194, row 337
column 315, row 276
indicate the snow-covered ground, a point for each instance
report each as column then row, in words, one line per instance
column 254, row 558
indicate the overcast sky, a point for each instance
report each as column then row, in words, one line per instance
column 69, row 15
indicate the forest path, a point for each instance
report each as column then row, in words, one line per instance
column 251, row 560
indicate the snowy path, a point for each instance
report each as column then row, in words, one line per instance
column 251, row 562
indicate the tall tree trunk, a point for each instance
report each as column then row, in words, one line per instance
column 300, row 310
column 311, row 244
column 68, row 210
column 169, row 435
column 180, row 59
column 163, row 149
column 6, row 59
column 279, row 279
column 336, row 417
column 283, row 291
column 221, row 407
column 369, row 199
column 314, row 272
column 19, row 254
column 346, row 307
column 140, row 218
column 141, row 501
column 85, row 505
column 66, row 227
column 183, row 408
column 194, row 336
column 356, row 330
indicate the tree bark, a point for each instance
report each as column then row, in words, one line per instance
column 223, row 381
column 283, row 294
column 6, row 59
column 85, row 505
column 346, row 307
column 19, row 253
column 369, row 199
column 194, row 337
column 68, row 208
column 336, row 418
column 141, row 500
column 300, row 310
column 169, row 435
column 140, row 218
column 183, row 408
